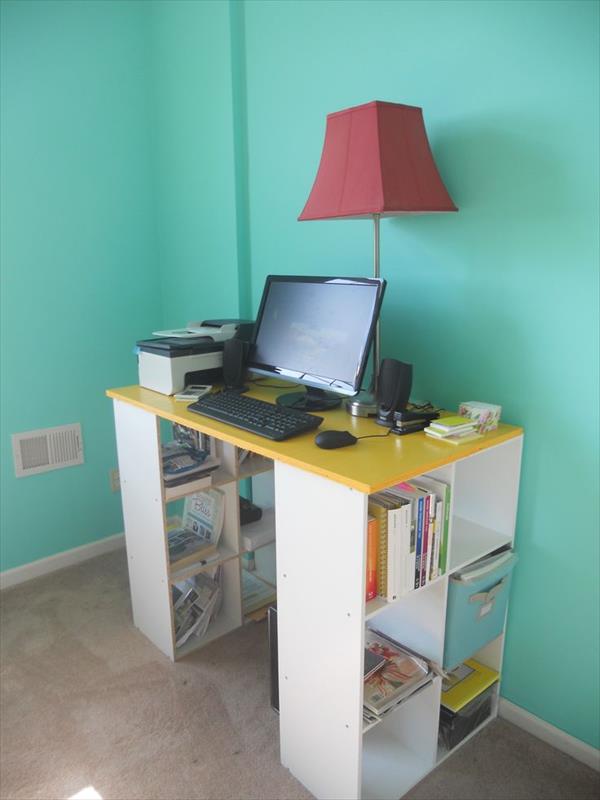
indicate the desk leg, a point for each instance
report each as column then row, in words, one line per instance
column 138, row 446
column 321, row 536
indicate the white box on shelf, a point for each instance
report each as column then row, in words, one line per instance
column 486, row 415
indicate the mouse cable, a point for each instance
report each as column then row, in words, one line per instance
column 375, row 435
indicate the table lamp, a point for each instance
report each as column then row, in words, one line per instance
column 376, row 162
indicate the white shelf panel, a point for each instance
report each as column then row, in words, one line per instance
column 443, row 754
column 254, row 465
column 401, row 749
column 470, row 541
column 376, row 606
column 225, row 554
column 217, row 628
column 389, row 770
column 218, row 477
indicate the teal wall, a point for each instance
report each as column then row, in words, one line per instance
column 498, row 302
column 194, row 160
column 221, row 113
column 79, row 267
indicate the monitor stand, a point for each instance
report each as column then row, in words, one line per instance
column 310, row 400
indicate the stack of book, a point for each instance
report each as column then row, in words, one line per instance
column 407, row 537
column 455, row 430
column 392, row 673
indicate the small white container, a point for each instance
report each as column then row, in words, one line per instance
column 486, row 415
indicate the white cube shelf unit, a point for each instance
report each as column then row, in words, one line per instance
column 321, row 508
column 321, row 687
column 145, row 504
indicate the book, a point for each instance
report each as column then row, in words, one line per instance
column 197, row 537
column 204, row 514
column 439, row 530
column 372, row 662
column 379, row 511
column 401, row 675
column 446, row 434
column 372, row 543
column 430, row 503
column 416, row 495
column 399, row 520
column 442, row 492
column 392, row 505
column 452, row 424
column 182, row 462
column 465, row 683
column 458, row 439
column 185, row 547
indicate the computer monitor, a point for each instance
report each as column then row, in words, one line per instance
column 316, row 331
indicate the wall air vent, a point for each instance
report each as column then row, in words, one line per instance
column 46, row 449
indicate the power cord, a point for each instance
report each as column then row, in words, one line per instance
column 260, row 382
column 376, row 435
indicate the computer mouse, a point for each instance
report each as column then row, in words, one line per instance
column 331, row 440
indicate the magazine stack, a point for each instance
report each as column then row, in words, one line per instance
column 187, row 457
column 392, row 673
column 195, row 602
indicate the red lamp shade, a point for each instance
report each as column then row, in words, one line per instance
column 376, row 160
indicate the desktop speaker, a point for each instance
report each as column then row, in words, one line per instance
column 235, row 353
column 395, row 383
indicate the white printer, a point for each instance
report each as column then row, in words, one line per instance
column 194, row 354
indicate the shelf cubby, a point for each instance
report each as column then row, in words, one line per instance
column 401, row 749
column 229, row 616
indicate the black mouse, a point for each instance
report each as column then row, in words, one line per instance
column 330, row 440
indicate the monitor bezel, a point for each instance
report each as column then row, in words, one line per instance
column 315, row 381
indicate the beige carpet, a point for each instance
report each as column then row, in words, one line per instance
column 88, row 701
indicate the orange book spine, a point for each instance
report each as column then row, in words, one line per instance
column 372, row 542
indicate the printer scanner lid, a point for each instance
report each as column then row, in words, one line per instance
column 173, row 347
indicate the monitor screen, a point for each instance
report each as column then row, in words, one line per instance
column 316, row 331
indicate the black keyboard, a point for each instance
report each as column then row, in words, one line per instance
column 256, row 416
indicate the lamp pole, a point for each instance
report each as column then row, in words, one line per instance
column 364, row 404
column 376, row 341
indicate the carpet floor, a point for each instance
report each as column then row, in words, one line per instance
column 87, row 701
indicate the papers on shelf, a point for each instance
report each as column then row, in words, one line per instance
column 201, row 528
column 256, row 592
column 403, row 673
column 195, row 602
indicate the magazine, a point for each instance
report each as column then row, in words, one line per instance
column 187, row 456
column 198, row 535
column 204, row 513
column 181, row 463
column 373, row 662
column 189, row 437
column 198, row 602
column 401, row 675
column 256, row 593
column 185, row 546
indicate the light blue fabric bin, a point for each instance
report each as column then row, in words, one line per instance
column 477, row 598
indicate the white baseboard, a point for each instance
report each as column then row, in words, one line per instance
column 548, row 733
column 12, row 577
